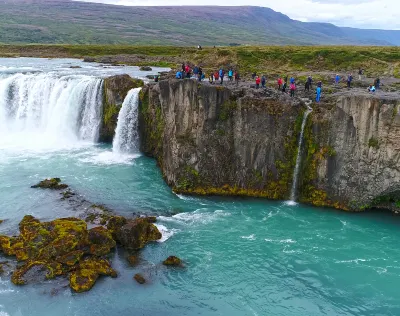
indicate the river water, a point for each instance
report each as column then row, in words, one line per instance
column 242, row 256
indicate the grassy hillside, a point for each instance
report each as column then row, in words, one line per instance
column 271, row 59
column 71, row 22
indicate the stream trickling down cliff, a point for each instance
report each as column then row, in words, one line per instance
column 242, row 256
column 293, row 192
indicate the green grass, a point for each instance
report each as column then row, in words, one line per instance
column 273, row 60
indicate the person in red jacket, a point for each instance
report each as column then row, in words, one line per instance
column 258, row 81
column 280, row 82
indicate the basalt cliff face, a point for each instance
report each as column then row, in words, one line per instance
column 211, row 140
column 353, row 152
column 214, row 140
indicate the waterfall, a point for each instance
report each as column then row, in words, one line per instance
column 299, row 154
column 51, row 109
column 126, row 139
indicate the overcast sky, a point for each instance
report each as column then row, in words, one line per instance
column 382, row 14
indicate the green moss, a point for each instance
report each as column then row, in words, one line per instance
column 373, row 142
column 226, row 110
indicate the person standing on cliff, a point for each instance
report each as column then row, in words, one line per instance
column 216, row 76
column 284, row 87
column 222, row 75
column 319, row 91
column 349, row 80
column 263, row 81
column 237, row 77
column 230, row 74
column 280, row 81
column 292, row 89
column 258, row 80
column 211, row 78
column 337, row 79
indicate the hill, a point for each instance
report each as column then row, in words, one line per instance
column 72, row 22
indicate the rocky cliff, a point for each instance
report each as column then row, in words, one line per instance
column 115, row 90
column 214, row 140
column 353, row 152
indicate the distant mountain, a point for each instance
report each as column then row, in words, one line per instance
column 71, row 22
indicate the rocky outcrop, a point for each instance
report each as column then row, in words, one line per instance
column 115, row 90
column 353, row 152
column 215, row 140
column 66, row 247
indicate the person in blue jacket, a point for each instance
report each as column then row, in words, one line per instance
column 263, row 81
column 337, row 79
column 319, row 90
column 221, row 75
column 178, row 75
column 230, row 75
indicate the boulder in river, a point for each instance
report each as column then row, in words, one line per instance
column 135, row 234
column 139, row 278
column 52, row 183
column 172, row 261
column 145, row 68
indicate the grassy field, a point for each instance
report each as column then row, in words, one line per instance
column 383, row 61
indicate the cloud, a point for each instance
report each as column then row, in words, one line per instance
column 382, row 14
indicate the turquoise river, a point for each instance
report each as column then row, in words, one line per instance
column 242, row 256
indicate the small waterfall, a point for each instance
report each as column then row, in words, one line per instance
column 49, row 109
column 126, row 139
column 299, row 154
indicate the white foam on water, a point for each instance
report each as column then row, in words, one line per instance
column 281, row 241
column 251, row 237
column 165, row 232
column 198, row 216
column 290, row 203
column 4, row 314
column 110, row 158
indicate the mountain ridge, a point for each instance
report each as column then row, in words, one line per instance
column 76, row 22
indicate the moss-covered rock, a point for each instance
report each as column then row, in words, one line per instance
column 145, row 68
column 101, row 241
column 135, row 234
column 139, row 278
column 172, row 261
column 66, row 246
column 52, row 183
column 115, row 90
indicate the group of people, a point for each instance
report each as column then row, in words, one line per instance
column 217, row 76
column 261, row 81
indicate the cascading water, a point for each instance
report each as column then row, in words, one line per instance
column 299, row 154
column 126, row 138
column 49, row 109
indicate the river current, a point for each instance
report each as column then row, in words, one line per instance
column 242, row 256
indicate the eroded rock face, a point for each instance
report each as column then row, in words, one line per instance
column 115, row 90
column 353, row 152
column 215, row 140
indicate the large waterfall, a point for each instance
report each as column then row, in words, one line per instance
column 126, row 139
column 49, row 109
column 299, row 154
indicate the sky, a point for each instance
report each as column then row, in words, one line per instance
column 382, row 14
